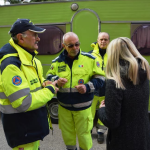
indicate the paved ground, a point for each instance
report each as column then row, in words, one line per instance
column 51, row 142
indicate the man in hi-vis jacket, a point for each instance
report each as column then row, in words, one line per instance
column 77, row 74
column 23, row 90
column 99, row 51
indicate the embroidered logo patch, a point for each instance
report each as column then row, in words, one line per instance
column 61, row 68
column 34, row 81
column 81, row 81
column 80, row 65
column 16, row 80
column 97, row 63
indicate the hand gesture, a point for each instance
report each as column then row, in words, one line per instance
column 49, row 83
column 102, row 104
column 61, row 82
column 81, row 88
column 54, row 84
column 46, row 83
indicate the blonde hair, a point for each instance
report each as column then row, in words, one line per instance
column 123, row 48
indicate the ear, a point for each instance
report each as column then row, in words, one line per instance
column 20, row 38
column 63, row 45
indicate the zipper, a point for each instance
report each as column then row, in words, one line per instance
column 103, row 63
column 37, row 71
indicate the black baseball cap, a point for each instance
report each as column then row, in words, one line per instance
column 22, row 25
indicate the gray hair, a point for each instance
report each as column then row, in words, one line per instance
column 102, row 33
column 68, row 34
column 15, row 39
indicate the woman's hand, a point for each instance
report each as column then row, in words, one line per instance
column 102, row 104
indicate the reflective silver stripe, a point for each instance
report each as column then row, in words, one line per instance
column 66, row 105
column 71, row 147
column 53, row 78
column 99, row 77
column 25, row 104
column 148, row 111
column 92, row 88
column 18, row 94
column 67, row 90
column 79, row 105
column 8, row 109
column 36, row 89
column 2, row 95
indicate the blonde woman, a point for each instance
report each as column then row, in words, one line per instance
column 125, row 109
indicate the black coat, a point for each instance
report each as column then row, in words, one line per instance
column 126, row 114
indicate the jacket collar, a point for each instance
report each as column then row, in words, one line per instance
column 96, row 48
column 64, row 55
column 24, row 55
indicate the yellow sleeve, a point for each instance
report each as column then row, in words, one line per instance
column 17, row 89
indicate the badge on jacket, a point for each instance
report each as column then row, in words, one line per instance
column 81, row 81
column 16, row 80
column 98, row 64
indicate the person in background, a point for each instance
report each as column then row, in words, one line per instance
column 23, row 90
column 99, row 51
column 125, row 108
column 78, row 74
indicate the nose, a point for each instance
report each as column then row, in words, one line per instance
column 38, row 39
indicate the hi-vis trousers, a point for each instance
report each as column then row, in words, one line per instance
column 29, row 146
column 95, row 105
column 74, row 123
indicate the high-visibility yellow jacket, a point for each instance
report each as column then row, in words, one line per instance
column 103, row 60
column 84, row 69
column 22, row 98
column 95, row 52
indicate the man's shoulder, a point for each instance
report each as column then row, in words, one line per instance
column 7, row 49
column 12, row 60
column 8, row 55
column 89, row 55
column 59, row 58
column 56, row 59
column 90, row 52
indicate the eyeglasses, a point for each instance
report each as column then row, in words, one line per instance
column 34, row 34
column 72, row 45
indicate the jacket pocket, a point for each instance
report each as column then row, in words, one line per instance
column 80, row 76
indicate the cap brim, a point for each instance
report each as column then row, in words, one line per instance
column 37, row 29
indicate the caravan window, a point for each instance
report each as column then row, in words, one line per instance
column 140, row 35
column 50, row 41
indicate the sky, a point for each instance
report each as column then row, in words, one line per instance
column 1, row 2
